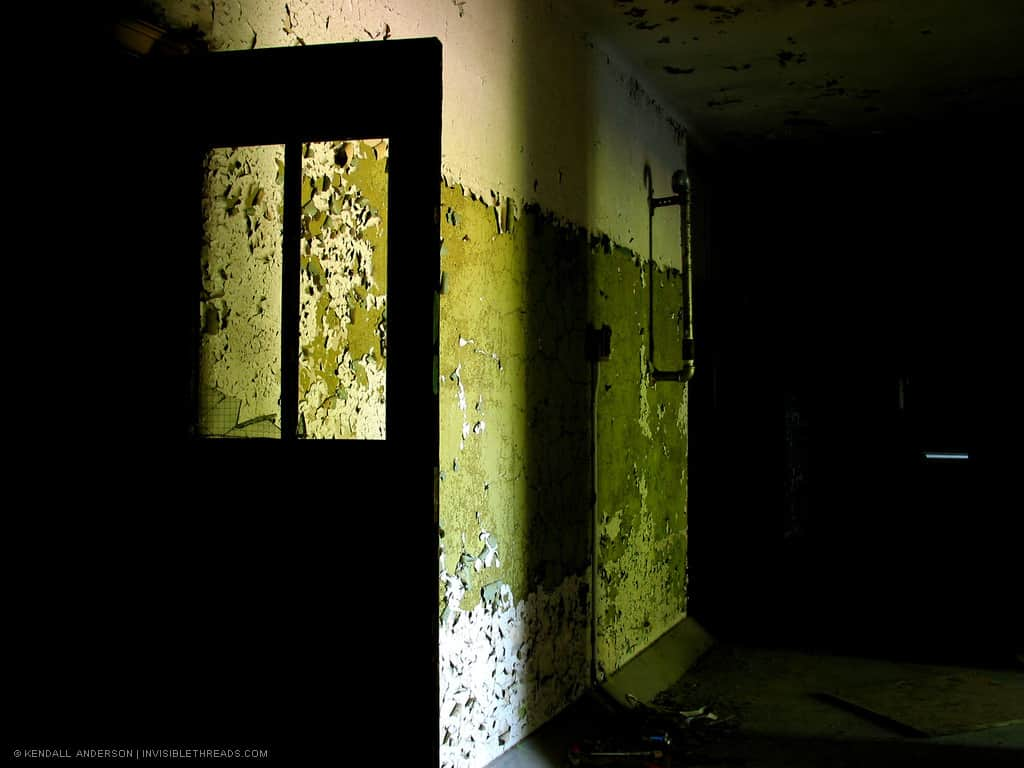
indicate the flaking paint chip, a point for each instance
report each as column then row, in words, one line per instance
column 491, row 592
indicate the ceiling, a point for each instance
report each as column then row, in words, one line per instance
column 754, row 71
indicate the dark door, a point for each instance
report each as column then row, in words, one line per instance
column 263, row 546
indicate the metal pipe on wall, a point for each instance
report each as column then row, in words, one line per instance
column 681, row 187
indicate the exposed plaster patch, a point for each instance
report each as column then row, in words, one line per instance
column 488, row 557
column 457, row 378
column 501, row 667
column 645, row 405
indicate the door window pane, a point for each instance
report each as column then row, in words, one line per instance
column 239, row 387
column 343, row 290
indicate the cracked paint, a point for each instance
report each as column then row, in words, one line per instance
column 641, row 459
column 523, row 295
column 240, row 298
column 515, row 627
column 343, row 290
column 457, row 378
column 498, row 662
column 644, row 418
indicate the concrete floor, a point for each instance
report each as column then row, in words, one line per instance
column 774, row 716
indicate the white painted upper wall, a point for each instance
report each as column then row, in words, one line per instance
column 533, row 109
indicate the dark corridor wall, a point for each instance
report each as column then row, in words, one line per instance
column 851, row 317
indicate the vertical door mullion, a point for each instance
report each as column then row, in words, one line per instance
column 290, row 289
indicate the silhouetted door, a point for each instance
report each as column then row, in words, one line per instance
column 300, row 189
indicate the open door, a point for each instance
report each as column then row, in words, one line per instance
column 261, row 375
column 340, row 465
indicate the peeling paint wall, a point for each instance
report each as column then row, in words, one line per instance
column 544, row 223
column 641, row 445
column 518, row 469
column 515, row 485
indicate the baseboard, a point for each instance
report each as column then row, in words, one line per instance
column 660, row 664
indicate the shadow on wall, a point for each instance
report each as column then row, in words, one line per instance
column 584, row 417
column 631, row 436
column 516, row 448
column 605, row 455
column 558, row 135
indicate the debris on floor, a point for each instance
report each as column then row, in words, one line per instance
column 639, row 734
column 685, row 717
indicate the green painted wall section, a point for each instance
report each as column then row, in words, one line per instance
column 518, row 447
column 514, row 394
column 640, row 458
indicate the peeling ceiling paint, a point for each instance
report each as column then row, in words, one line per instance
column 750, row 71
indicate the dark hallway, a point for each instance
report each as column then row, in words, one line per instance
column 856, row 326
